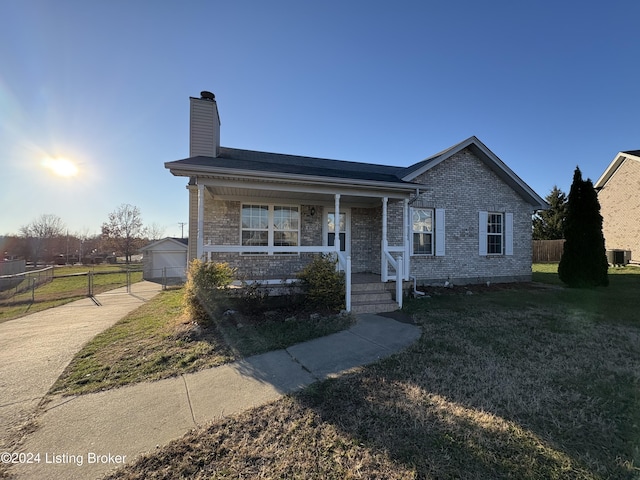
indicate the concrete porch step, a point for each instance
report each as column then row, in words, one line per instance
column 379, row 306
column 368, row 287
column 371, row 298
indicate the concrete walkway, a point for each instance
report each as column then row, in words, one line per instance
column 35, row 349
column 88, row 435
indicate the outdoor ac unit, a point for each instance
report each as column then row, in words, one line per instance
column 618, row 257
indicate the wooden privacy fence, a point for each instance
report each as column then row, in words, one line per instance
column 545, row 251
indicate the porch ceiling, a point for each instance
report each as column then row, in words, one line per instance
column 353, row 195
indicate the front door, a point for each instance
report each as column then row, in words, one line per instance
column 345, row 231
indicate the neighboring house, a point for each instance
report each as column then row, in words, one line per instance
column 619, row 196
column 165, row 260
column 461, row 216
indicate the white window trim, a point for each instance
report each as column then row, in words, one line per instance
column 268, row 249
column 507, row 234
column 500, row 235
column 437, row 234
column 432, row 232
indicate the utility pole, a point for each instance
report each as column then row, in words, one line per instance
column 182, row 224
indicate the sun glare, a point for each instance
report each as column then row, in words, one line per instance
column 61, row 166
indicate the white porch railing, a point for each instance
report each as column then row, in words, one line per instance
column 209, row 249
column 397, row 265
column 344, row 261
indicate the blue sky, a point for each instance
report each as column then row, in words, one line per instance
column 546, row 85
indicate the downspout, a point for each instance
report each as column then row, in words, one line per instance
column 416, row 292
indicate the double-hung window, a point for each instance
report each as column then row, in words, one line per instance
column 269, row 226
column 495, row 233
column 422, row 231
column 427, row 231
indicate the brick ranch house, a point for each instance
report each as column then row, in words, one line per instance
column 461, row 216
column 619, row 196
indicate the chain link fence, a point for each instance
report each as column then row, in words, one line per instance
column 168, row 277
column 45, row 286
column 17, row 284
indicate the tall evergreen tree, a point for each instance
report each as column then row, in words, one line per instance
column 549, row 224
column 584, row 259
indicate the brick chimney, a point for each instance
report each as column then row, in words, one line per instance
column 204, row 132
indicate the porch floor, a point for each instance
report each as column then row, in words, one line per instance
column 365, row 278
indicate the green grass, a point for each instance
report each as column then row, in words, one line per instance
column 150, row 343
column 157, row 341
column 530, row 382
column 613, row 304
column 64, row 289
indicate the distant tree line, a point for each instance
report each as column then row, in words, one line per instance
column 46, row 239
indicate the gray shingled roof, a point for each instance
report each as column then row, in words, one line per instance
column 432, row 159
column 233, row 161
column 292, row 164
column 635, row 153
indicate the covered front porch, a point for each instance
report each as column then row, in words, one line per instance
column 270, row 231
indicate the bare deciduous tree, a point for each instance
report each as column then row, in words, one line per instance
column 124, row 229
column 155, row 231
column 41, row 233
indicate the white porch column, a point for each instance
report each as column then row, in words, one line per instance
column 200, row 243
column 385, row 242
column 406, row 239
column 336, row 222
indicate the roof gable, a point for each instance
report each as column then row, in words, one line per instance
column 615, row 164
column 489, row 158
column 171, row 242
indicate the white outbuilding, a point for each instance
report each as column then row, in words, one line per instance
column 165, row 260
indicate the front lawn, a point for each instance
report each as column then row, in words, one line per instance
column 529, row 382
column 157, row 341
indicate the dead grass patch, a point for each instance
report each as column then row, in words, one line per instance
column 158, row 341
column 153, row 342
column 527, row 384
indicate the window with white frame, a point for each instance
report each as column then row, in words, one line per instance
column 269, row 226
column 286, row 225
column 422, row 231
column 495, row 233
